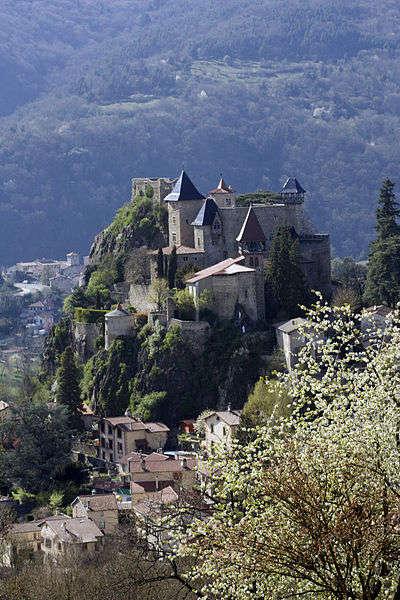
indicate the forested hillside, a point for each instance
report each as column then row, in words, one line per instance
column 93, row 92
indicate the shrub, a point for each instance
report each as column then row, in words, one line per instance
column 89, row 315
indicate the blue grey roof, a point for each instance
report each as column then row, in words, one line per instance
column 292, row 186
column 184, row 190
column 206, row 214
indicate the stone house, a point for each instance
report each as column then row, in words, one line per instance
column 290, row 339
column 156, row 471
column 233, row 287
column 119, row 436
column 69, row 535
column 102, row 509
column 220, row 428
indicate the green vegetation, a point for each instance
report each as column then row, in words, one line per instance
column 383, row 276
column 286, row 288
column 38, row 447
column 89, row 315
column 68, row 392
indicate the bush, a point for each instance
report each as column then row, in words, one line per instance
column 89, row 315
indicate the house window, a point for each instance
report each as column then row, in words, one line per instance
column 198, row 241
column 110, row 444
column 84, row 546
column 119, row 433
column 119, row 448
column 212, row 428
column 174, row 237
column 59, row 546
column 109, row 430
column 47, row 543
column 224, row 431
column 185, row 259
column 246, row 294
column 102, row 427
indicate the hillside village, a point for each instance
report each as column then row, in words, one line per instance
column 171, row 350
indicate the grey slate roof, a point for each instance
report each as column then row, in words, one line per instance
column 292, row 186
column 183, row 190
column 206, row 214
column 251, row 230
column 81, row 530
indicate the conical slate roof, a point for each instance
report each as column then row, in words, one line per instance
column 251, row 229
column 206, row 214
column 222, row 188
column 292, row 186
column 183, row 190
column 117, row 312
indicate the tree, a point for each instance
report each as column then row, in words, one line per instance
column 285, row 277
column 268, row 398
column 172, row 268
column 383, row 276
column 36, row 446
column 160, row 263
column 68, row 392
column 309, row 508
column 184, row 305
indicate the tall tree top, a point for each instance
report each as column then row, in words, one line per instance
column 387, row 211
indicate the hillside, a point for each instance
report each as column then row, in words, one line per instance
column 95, row 92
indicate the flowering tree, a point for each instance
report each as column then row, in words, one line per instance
column 311, row 507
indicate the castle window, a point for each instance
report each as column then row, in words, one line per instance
column 251, row 261
column 198, row 241
column 185, row 258
column 246, row 294
column 227, row 202
column 174, row 237
column 173, row 220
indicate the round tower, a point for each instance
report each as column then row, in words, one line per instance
column 118, row 323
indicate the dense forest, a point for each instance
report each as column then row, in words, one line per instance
column 94, row 92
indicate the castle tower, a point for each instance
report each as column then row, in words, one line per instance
column 208, row 231
column 118, row 323
column 223, row 195
column 292, row 192
column 252, row 245
column 251, row 240
column 184, row 202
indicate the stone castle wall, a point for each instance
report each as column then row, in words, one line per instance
column 85, row 336
column 194, row 333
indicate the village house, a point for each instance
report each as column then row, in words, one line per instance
column 220, row 428
column 102, row 509
column 70, row 535
column 156, row 471
column 119, row 436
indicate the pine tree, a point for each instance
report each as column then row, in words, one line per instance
column 383, row 277
column 285, row 277
column 172, row 267
column 68, row 392
column 160, row 264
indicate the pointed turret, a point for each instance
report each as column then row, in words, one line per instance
column 223, row 194
column 251, row 231
column 206, row 214
column 184, row 190
column 292, row 191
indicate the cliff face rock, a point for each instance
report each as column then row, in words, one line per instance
column 106, row 243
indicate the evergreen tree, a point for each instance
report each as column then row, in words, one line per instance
column 172, row 267
column 160, row 263
column 383, row 276
column 285, row 277
column 68, row 392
